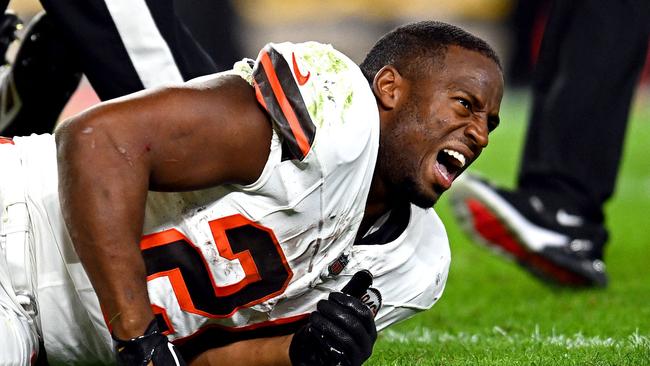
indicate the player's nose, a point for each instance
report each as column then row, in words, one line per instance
column 477, row 131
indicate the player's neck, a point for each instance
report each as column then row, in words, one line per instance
column 377, row 204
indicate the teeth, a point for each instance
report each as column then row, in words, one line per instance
column 456, row 155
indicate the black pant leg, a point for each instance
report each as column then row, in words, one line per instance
column 192, row 59
column 214, row 24
column 522, row 23
column 591, row 57
column 103, row 40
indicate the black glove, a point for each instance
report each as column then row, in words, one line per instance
column 340, row 332
column 153, row 347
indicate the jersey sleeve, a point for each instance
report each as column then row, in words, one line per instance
column 303, row 87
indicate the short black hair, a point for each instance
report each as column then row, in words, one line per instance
column 409, row 46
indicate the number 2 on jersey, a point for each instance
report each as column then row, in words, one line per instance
column 170, row 254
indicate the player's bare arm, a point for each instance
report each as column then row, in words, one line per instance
column 341, row 331
column 181, row 138
column 272, row 351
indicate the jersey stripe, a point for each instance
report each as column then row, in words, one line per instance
column 277, row 91
column 148, row 51
column 6, row 140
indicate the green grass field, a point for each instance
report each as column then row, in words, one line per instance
column 493, row 313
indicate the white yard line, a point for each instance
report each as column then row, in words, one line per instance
column 577, row 340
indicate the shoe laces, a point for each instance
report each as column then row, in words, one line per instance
column 581, row 245
column 598, row 265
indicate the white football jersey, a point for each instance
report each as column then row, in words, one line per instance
column 237, row 262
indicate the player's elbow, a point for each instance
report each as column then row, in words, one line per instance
column 89, row 143
column 76, row 136
column 93, row 130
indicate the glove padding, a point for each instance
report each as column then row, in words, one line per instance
column 340, row 332
column 153, row 347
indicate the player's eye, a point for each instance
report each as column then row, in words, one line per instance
column 465, row 103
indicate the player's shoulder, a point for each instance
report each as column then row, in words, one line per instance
column 425, row 222
column 320, row 60
column 311, row 88
column 321, row 72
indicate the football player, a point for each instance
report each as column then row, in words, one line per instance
column 218, row 220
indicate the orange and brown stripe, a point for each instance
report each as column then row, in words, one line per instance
column 278, row 92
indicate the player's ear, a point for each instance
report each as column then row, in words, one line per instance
column 388, row 87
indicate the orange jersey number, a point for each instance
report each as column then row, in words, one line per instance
column 170, row 254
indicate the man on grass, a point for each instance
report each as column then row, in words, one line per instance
column 224, row 215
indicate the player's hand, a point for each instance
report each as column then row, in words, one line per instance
column 151, row 348
column 340, row 332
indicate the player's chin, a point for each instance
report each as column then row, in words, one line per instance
column 425, row 198
column 417, row 192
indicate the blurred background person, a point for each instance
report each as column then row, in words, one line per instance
column 526, row 23
column 553, row 223
column 121, row 47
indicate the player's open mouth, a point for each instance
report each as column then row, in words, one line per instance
column 449, row 164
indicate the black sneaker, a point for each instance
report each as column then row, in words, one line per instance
column 43, row 77
column 546, row 239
